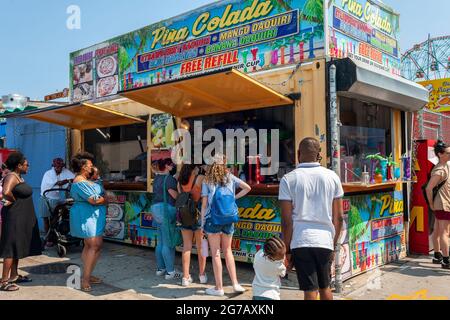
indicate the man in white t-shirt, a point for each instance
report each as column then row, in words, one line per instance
column 56, row 178
column 312, row 219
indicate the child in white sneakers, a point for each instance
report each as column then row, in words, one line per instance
column 269, row 267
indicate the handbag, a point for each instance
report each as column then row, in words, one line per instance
column 169, row 220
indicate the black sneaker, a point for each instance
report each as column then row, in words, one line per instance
column 445, row 265
column 437, row 261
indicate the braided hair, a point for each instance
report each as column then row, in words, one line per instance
column 273, row 247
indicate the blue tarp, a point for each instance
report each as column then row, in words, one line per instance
column 40, row 142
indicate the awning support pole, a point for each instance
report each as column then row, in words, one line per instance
column 335, row 161
column 334, row 124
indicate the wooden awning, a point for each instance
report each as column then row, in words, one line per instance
column 219, row 92
column 81, row 116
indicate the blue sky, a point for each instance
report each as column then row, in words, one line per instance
column 35, row 42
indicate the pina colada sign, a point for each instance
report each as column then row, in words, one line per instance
column 369, row 13
column 205, row 22
column 391, row 205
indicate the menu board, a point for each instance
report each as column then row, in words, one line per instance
column 115, row 210
column 82, row 77
column 94, row 73
column 106, row 66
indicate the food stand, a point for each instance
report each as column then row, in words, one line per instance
column 249, row 65
column 196, row 67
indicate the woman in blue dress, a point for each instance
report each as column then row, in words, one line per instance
column 87, row 216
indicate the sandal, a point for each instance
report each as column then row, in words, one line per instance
column 86, row 289
column 9, row 287
column 21, row 279
column 95, row 280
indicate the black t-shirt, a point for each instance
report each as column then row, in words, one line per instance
column 158, row 184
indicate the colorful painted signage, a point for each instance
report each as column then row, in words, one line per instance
column 386, row 228
column 260, row 218
column 243, row 36
column 373, row 232
column 439, row 94
column 249, row 35
column 376, row 233
column 367, row 31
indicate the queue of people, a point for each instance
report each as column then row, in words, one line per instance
column 202, row 203
column 204, row 190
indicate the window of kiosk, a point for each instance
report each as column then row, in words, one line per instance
column 365, row 131
column 120, row 154
column 281, row 118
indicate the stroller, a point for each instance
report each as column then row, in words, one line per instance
column 59, row 224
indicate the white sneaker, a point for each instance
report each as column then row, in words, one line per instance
column 160, row 272
column 186, row 282
column 238, row 288
column 214, row 292
column 173, row 275
column 203, row 278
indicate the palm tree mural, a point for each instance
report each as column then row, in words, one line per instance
column 313, row 12
column 133, row 42
column 282, row 4
column 135, row 204
column 356, row 226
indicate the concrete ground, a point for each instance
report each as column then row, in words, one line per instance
column 129, row 274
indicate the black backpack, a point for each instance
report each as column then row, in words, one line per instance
column 187, row 212
column 436, row 189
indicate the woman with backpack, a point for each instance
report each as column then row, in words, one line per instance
column 164, row 215
column 219, row 213
column 190, row 184
column 440, row 205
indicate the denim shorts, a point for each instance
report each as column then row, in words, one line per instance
column 193, row 228
column 211, row 228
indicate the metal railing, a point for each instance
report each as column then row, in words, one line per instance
column 429, row 125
